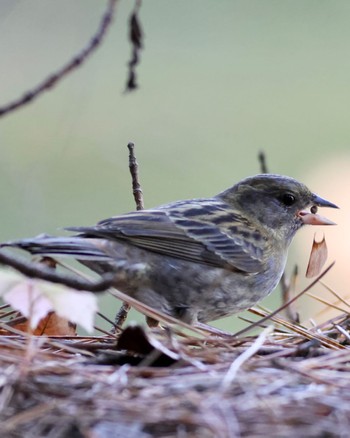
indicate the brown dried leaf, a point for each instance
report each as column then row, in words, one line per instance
column 37, row 298
column 50, row 325
column 318, row 257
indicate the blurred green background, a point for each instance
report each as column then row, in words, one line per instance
column 219, row 81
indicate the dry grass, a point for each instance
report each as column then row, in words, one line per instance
column 284, row 383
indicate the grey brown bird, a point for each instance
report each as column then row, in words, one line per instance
column 199, row 259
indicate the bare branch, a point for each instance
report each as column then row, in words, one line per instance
column 138, row 196
column 262, row 160
column 120, row 317
column 74, row 63
column 136, row 186
column 136, row 40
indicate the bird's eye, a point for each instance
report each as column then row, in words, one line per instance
column 288, row 199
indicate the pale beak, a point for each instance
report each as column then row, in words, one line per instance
column 310, row 218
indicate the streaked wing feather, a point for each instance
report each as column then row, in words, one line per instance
column 193, row 234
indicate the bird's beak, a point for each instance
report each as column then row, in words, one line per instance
column 320, row 202
column 312, row 218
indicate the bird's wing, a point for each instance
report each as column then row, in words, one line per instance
column 207, row 232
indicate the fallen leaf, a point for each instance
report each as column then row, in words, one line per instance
column 36, row 298
column 50, row 325
column 318, row 257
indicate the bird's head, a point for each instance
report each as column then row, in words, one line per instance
column 280, row 203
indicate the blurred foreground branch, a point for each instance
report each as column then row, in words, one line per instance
column 76, row 62
column 43, row 272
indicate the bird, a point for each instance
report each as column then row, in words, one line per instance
column 197, row 260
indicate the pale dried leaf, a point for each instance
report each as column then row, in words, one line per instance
column 76, row 306
column 318, row 257
column 36, row 298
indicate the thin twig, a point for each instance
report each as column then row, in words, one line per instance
column 329, row 322
column 101, row 315
column 41, row 271
column 300, row 330
column 262, row 160
column 332, row 291
column 136, row 187
column 138, row 196
column 327, row 303
column 288, row 289
column 120, row 317
column 342, row 331
column 76, row 62
column 136, row 40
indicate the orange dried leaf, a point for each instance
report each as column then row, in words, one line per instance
column 50, row 325
column 54, row 325
column 37, row 298
column 318, row 257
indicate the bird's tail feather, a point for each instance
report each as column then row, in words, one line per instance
column 77, row 247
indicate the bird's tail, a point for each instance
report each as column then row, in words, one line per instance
column 77, row 247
